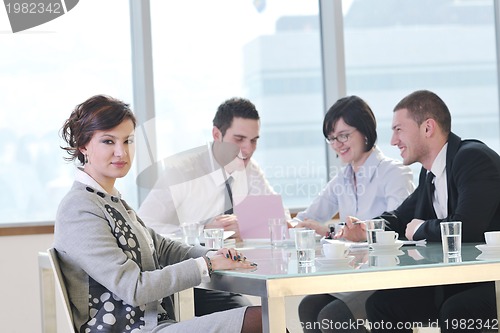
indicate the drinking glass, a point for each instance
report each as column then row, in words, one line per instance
column 277, row 231
column 191, row 233
column 214, row 238
column 372, row 227
column 305, row 244
column 451, row 236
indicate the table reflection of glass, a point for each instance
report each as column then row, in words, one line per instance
column 278, row 274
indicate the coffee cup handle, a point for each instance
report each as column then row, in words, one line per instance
column 397, row 260
column 396, row 236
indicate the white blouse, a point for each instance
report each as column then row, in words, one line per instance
column 381, row 185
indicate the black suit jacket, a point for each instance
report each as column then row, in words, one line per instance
column 473, row 177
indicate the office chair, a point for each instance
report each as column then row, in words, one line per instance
column 52, row 286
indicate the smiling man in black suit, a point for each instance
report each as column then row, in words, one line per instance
column 459, row 181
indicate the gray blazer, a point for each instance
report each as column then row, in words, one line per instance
column 114, row 278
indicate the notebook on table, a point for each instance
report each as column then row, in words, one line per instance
column 253, row 213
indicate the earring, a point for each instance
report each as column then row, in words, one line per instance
column 86, row 159
column 366, row 141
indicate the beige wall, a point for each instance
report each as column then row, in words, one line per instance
column 19, row 283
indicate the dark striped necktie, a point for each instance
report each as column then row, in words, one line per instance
column 430, row 188
column 228, row 202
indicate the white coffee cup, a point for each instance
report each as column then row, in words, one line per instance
column 492, row 238
column 386, row 237
column 334, row 250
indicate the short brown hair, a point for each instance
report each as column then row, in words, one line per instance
column 235, row 107
column 356, row 113
column 424, row 104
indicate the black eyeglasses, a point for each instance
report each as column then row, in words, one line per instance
column 340, row 138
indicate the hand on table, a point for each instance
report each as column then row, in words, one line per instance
column 354, row 232
column 228, row 222
column 225, row 259
column 316, row 226
column 412, row 227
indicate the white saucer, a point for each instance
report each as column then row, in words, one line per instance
column 488, row 256
column 489, row 249
column 387, row 247
column 334, row 262
column 488, row 252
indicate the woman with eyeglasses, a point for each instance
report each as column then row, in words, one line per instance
column 367, row 185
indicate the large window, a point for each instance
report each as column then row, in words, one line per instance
column 268, row 51
column 205, row 52
column 395, row 47
column 46, row 71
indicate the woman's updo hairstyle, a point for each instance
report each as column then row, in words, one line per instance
column 98, row 113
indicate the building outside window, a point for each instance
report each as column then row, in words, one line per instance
column 205, row 52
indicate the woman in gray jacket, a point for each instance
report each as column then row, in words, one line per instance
column 119, row 273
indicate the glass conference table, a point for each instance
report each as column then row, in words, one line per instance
column 278, row 275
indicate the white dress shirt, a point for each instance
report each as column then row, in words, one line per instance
column 440, row 195
column 440, row 198
column 192, row 189
column 381, row 185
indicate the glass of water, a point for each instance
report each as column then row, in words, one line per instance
column 305, row 244
column 191, row 233
column 451, row 236
column 214, row 238
column 372, row 227
column 277, row 231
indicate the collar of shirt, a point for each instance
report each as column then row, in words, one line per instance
column 84, row 178
column 368, row 169
column 219, row 175
column 441, row 187
column 237, row 185
column 439, row 165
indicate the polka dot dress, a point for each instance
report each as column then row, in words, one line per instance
column 104, row 307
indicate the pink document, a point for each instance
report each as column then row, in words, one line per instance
column 254, row 212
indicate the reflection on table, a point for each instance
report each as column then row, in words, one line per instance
column 278, row 274
column 282, row 261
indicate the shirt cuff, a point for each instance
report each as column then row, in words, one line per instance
column 211, row 253
column 418, row 226
column 202, row 266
